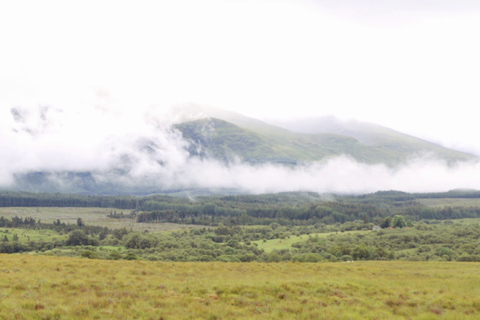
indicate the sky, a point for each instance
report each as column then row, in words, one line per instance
column 409, row 65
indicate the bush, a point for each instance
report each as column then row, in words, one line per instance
column 312, row 257
column 131, row 256
column 227, row 258
column 114, row 255
column 77, row 238
column 89, row 254
column 274, row 256
column 442, row 251
column 465, row 257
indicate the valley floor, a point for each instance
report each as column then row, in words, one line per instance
column 43, row 287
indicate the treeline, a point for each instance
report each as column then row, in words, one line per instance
column 58, row 226
column 147, row 203
column 150, row 203
column 239, row 213
column 25, row 199
column 290, row 208
column 404, row 196
column 327, row 213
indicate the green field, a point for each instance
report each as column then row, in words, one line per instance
column 279, row 244
column 25, row 235
column 41, row 287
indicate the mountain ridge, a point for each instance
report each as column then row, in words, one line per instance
column 373, row 143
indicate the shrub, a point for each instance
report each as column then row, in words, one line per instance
column 89, row 254
column 77, row 238
column 312, row 257
column 114, row 255
column 131, row 256
column 274, row 256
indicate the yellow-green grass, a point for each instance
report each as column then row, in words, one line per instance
column 25, row 235
column 40, row 287
column 279, row 244
column 90, row 216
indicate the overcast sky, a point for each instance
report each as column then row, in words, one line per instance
column 410, row 65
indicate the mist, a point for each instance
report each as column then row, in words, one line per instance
column 137, row 149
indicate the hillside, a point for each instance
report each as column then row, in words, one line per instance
column 375, row 136
column 225, row 141
column 255, row 141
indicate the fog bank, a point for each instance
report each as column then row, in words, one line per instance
column 133, row 148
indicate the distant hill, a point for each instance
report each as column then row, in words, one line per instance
column 373, row 135
column 225, row 135
column 225, row 141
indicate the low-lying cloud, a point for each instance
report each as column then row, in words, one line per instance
column 138, row 148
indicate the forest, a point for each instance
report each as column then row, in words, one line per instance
column 306, row 227
column 291, row 208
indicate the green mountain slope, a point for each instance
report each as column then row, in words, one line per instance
column 215, row 138
column 388, row 141
column 225, row 135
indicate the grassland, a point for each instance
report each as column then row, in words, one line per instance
column 25, row 235
column 40, row 287
column 286, row 243
column 279, row 244
column 89, row 216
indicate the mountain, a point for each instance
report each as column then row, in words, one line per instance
column 225, row 141
column 226, row 135
column 178, row 159
column 372, row 135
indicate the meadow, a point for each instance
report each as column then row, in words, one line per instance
column 90, row 216
column 25, row 235
column 38, row 285
column 42, row 287
column 286, row 243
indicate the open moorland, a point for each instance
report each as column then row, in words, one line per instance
column 91, row 216
column 297, row 227
column 40, row 287
column 387, row 255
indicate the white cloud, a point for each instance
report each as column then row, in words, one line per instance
column 108, row 143
column 406, row 65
